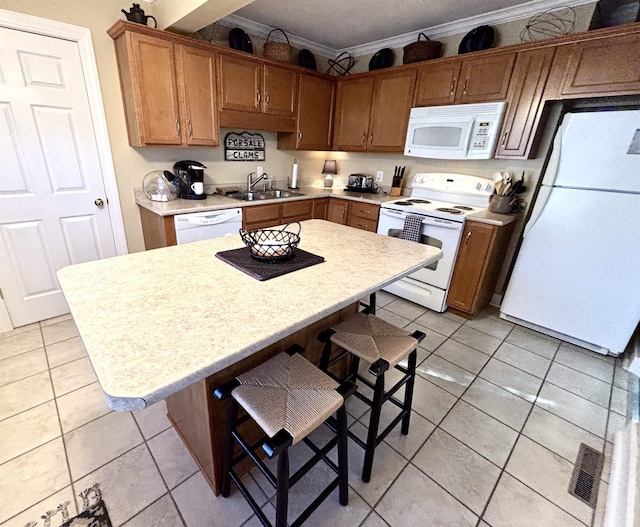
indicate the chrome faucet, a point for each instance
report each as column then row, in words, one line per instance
column 250, row 183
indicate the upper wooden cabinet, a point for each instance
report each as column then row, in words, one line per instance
column 256, row 95
column 316, row 97
column 525, row 103
column 605, row 66
column 372, row 112
column 482, row 79
column 168, row 91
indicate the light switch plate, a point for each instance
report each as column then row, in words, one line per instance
column 379, row 176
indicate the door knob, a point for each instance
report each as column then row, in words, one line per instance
column 99, row 202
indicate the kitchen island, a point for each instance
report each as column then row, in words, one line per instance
column 172, row 323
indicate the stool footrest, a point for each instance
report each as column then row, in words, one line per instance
column 247, row 495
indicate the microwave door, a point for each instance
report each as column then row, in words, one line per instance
column 439, row 139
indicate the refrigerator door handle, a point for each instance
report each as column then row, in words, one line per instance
column 541, row 201
column 551, row 171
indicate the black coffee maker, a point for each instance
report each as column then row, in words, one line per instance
column 190, row 176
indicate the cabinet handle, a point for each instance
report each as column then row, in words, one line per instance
column 299, row 135
column 177, row 128
column 257, row 97
column 266, row 98
column 364, row 137
column 453, row 86
column 344, row 212
column 190, row 127
column 371, row 138
column 466, row 240
column 364, row 211
column 504, row 137
column 464, row 88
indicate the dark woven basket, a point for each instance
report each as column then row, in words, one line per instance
column 271, row 244
column 278, row 50
column 421, row 50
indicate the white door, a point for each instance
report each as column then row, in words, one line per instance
column 50, row 175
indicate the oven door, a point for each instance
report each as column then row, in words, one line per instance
column 440, row 233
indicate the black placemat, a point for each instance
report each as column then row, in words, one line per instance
column 265, row 270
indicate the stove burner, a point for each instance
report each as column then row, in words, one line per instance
column 450, row 211
column 402, row 203
column 462, row 207
column 415, row 200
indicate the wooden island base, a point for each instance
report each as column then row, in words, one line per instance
column 200, row 419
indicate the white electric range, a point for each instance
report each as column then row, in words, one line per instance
column 443, row 201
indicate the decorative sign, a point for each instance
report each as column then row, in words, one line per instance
column 243, row 147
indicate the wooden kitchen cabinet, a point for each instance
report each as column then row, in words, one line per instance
column 168, row 91
column 265, row 216
column 372, row 112
column 338, row 210
column 525, row 103
column 320, row 207
column 604, row 66
column 363, row 216
column 316, row 98
column 477, row 267
column 462, row 81
column 296, row 211
column 256, row 95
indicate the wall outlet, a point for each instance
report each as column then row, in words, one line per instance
column 379, row 176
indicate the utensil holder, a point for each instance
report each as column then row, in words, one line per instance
column 502, row 204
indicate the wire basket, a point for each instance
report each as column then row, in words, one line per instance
column 271, row 244
column 278, row 50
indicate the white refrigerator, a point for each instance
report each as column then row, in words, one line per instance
column 577, row 274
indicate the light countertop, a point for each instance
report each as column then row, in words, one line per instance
column 157, row 321
column 217, row 202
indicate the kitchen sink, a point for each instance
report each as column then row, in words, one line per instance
column 265, row 194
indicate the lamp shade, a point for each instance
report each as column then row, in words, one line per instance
column 329, row 167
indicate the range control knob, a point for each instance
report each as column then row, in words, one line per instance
column 488, row 188
column 478, row 186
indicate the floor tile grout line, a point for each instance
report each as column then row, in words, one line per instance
column 27, row 409
column 582, row 371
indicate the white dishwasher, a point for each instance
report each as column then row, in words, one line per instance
column 197, row 226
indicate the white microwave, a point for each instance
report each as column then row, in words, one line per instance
column 459, row 131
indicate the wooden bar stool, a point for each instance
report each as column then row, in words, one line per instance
column 383, row 346
column 288, row 397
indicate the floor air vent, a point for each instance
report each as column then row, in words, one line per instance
column 586, row 476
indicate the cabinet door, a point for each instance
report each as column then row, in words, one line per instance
column 436, row 84
column 316, row 97
column 279, row 90
column 296, row 210
column 260, row 216
column 485, row 79
column 240, row 84
column 524, row 110
column 320, row 207
column 607, row 66
column 471, row 261
column 196, row 79
column 353, row 106
column 392, row 98
column 337, row 211
column 153, row 72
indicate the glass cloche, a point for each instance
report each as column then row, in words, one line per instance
column 159, row 185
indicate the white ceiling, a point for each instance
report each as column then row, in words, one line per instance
column 332, row 26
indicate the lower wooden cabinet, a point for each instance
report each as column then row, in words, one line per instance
column 478, row 265
column 264, row 216
column 320, row 207
column 353, row 213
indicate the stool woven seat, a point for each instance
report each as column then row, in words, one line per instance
column 288, row 392
column 372, row 338
column 288, row 398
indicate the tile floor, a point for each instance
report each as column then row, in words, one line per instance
column 499, row 413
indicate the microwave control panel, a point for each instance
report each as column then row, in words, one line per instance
column 481, row 135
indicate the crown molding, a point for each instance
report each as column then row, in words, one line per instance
column 261, row 30
column 508, row 14
column 465, row 25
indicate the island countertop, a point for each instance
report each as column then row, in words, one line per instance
column 157, row 321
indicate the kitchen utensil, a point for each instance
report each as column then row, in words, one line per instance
column 498, row 186
column 476, row 40
column 239, row 40
column 160, row 185
column 135, row 14
column 381, row 59
column 271, row 244
column 307, row 60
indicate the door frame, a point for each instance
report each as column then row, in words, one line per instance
column 82, row 37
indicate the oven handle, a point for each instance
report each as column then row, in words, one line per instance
column 445, row 224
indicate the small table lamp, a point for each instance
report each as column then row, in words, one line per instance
column 328, row 169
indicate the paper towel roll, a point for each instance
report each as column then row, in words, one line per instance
column 294, row 174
